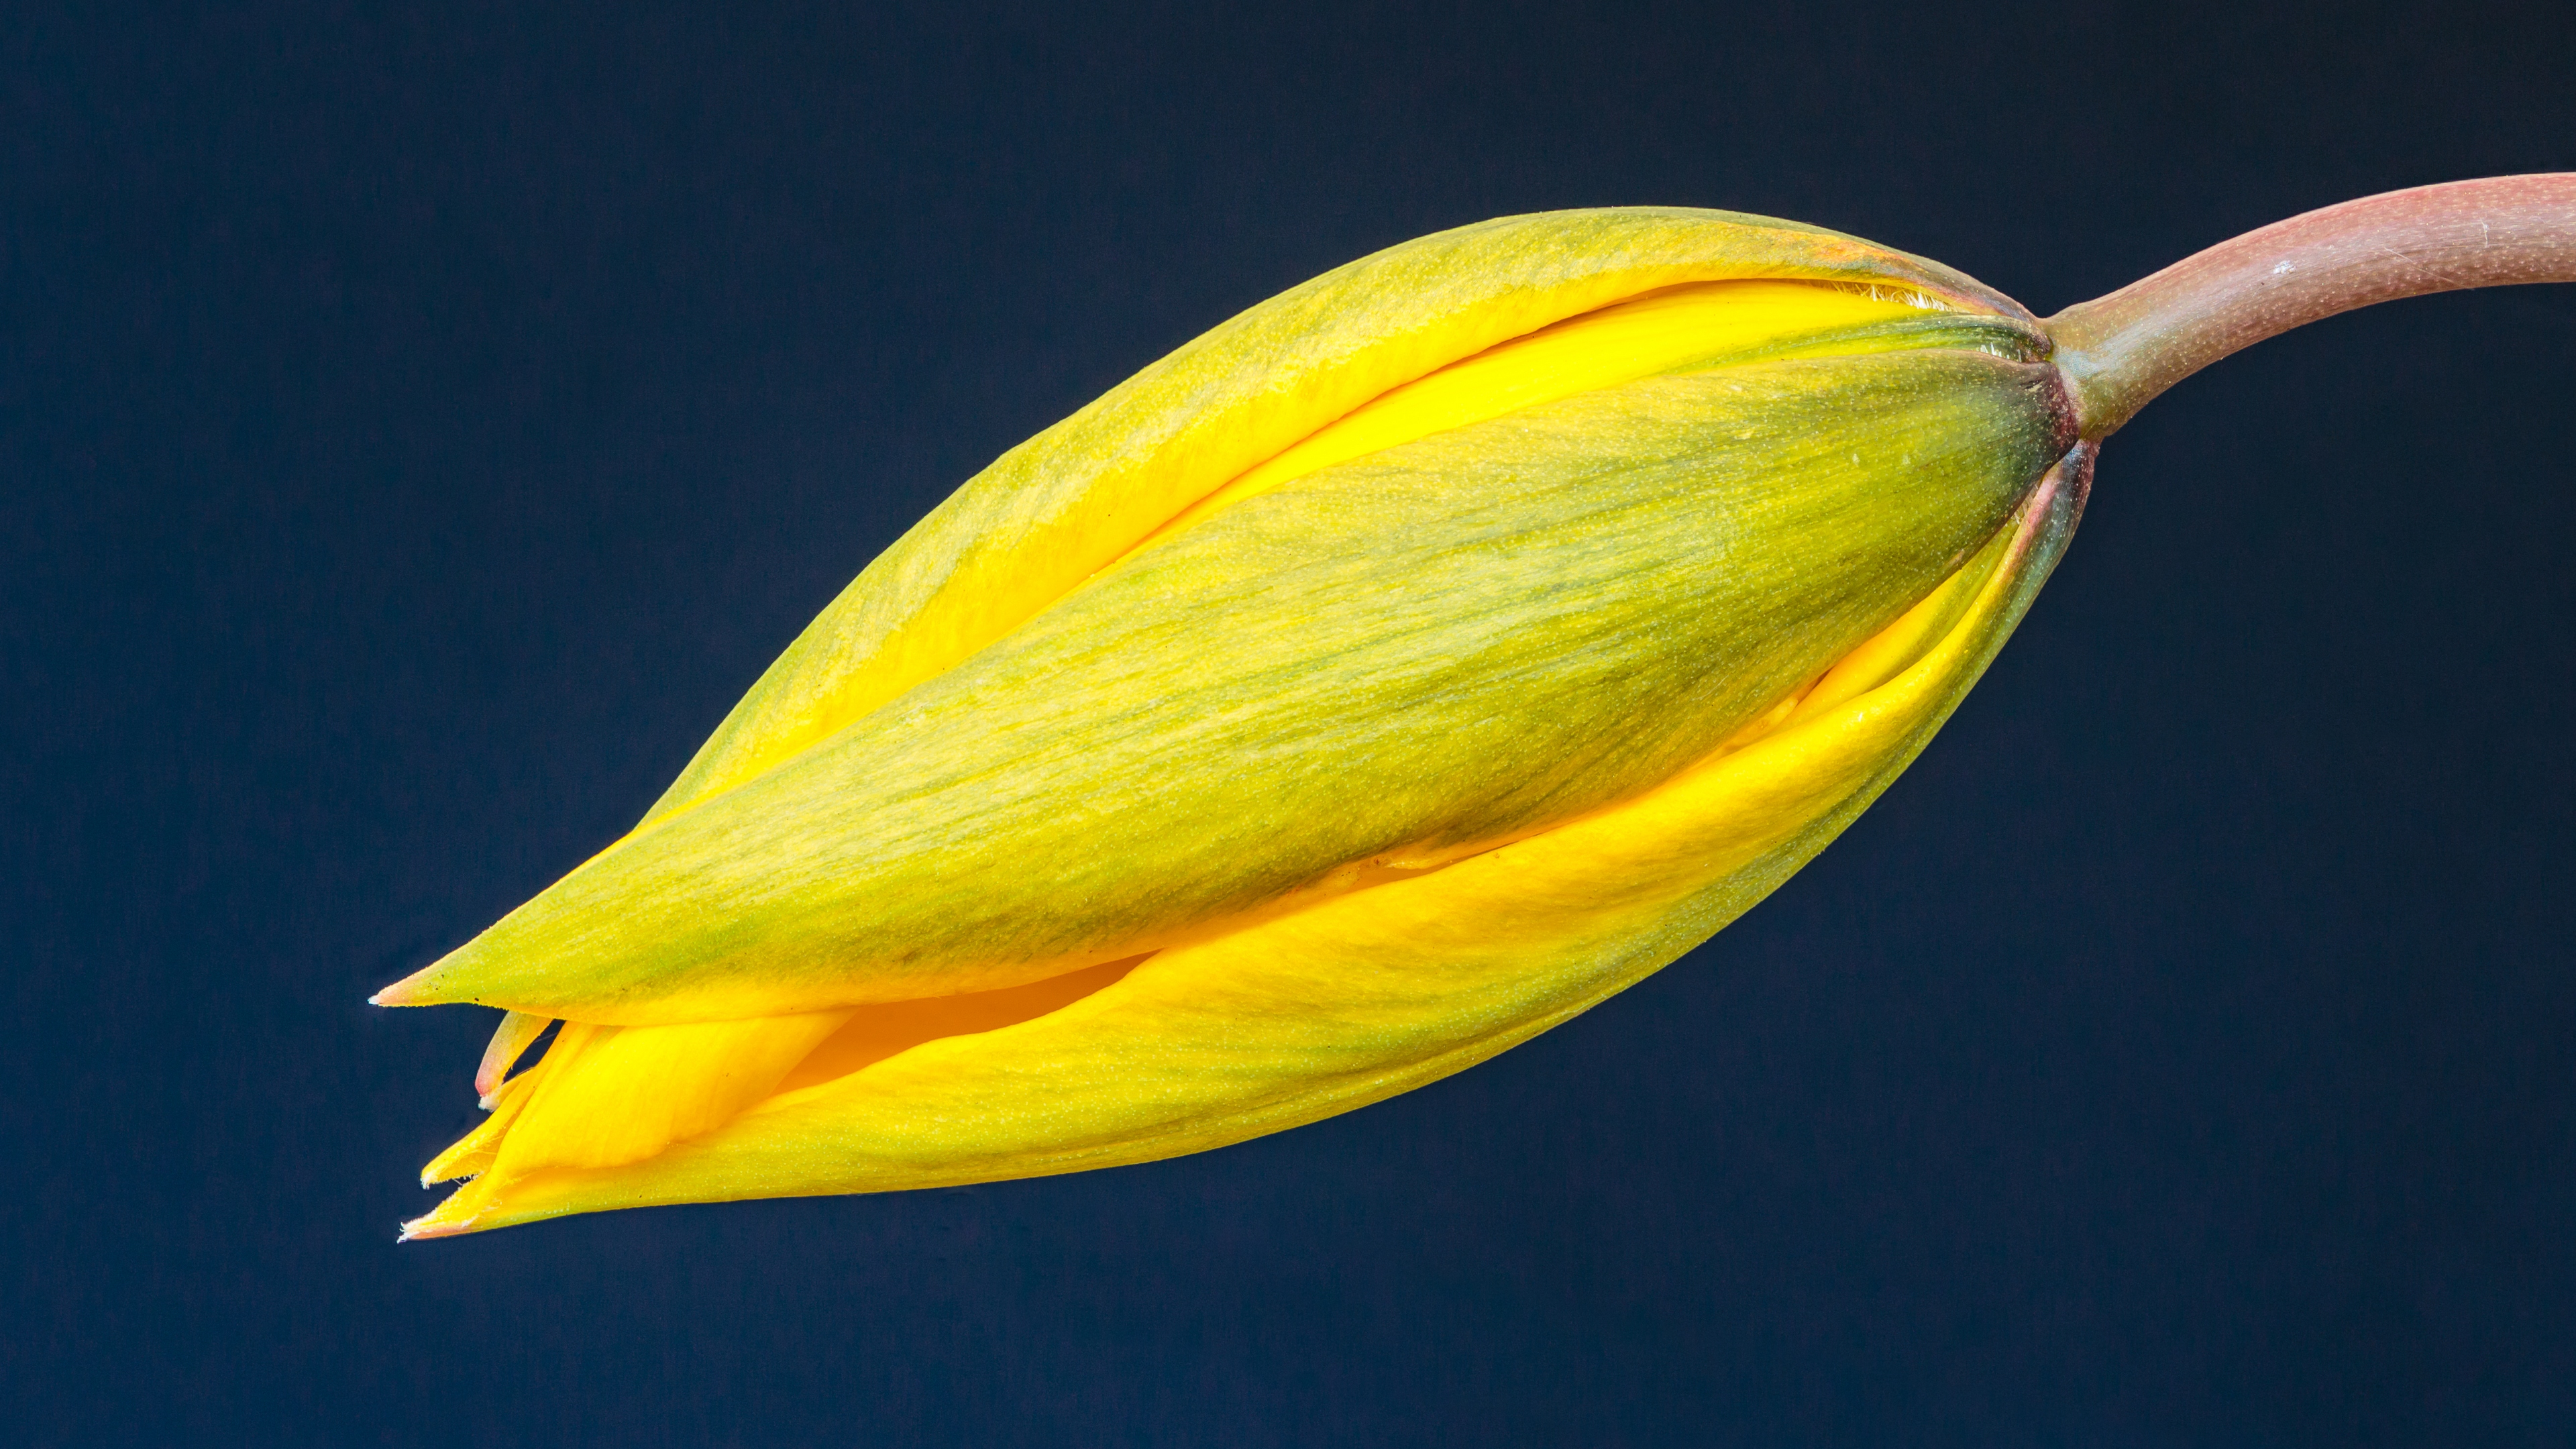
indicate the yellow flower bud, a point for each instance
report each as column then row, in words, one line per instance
column 1383, row 677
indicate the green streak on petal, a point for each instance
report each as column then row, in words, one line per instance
column 1456, row 640
column 1069, row 501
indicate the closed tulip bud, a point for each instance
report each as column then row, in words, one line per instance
column 1391, row 673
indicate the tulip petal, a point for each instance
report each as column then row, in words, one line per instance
column 474, row 1152
column 510, row 1040
column 1687, row 328
column 1454, row 641
column 634, row 1091
column 1355, row 998
column 1074, row 498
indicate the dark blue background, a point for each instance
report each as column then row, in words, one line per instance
column 417, row 426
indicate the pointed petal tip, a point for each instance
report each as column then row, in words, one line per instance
column 462, row 1163
column 406, row 992
column 511, row 1039
column 464, row 1210
column 434, row 1224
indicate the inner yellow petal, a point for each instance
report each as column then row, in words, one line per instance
column 629, row 1092
column 874, row 1033
column 1660, row 332
column 473, row 1153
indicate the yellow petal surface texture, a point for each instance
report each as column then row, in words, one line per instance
column 1450, row 641
column 1069, row 501
column 1325, row 372
column 1692, row 326
column 1348, row 998
column 632, row 1091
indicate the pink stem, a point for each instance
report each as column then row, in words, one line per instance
column 2119, row 351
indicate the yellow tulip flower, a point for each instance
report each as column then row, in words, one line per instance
column 1387, row 675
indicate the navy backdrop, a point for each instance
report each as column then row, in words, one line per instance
column 417, row 425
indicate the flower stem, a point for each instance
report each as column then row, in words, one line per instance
column 2119, row 351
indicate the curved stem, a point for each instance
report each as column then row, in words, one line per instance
column 2119, row 351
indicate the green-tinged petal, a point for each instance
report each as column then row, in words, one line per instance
column 1443, row 645
column 1357, row 997
column 1074, row 498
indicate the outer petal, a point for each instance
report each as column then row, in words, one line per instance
column 1351, row 1001
column 1067, row 502
column 1447, row 644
